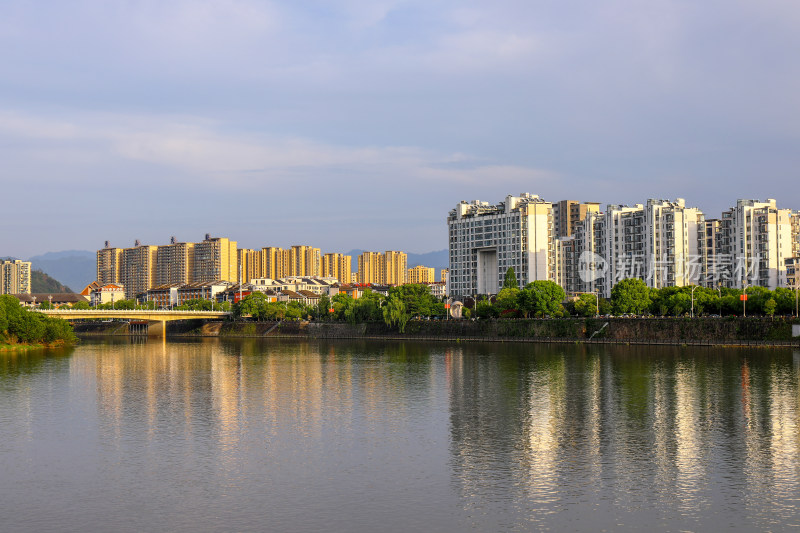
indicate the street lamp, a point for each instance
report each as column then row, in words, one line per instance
column 693, row 289
column 744, row 301
column 597, row 302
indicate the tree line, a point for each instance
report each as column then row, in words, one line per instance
column 18, row 325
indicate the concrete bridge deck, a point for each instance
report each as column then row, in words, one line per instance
column 160, row 317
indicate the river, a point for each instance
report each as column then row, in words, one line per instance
column 251, row 435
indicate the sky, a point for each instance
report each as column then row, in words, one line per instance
column 359, row 124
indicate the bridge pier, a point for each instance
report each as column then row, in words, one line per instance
column 157, row 329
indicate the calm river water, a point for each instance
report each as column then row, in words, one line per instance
column 348, row 437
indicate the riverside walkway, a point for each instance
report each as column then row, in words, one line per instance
column 160, row 317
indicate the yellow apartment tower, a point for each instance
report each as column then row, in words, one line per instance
column 109, row 265
column 337, row 266
column 216, row 259
column 421, row 274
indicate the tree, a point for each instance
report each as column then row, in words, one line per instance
column 631, row 295
column 254, row 305
column 417, row 299
column 395, row 313
column 586, row 304
column 510, row 281
column 323, row 305
column 541, row 298
column 770, row 306
column 507, row 301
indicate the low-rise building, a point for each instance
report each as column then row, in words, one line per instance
column 201, row 290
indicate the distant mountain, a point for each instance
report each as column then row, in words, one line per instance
column 74, row 268
column 41, row 283
column 438, row 259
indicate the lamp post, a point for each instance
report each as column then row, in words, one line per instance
column 744, row 301
column 719, row 290
column 693, row 289
column 597, row 302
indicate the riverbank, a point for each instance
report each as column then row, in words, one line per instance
column 21, row 347
column 733, row 331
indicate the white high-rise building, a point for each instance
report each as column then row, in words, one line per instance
column 485, row 240
column 755, row 240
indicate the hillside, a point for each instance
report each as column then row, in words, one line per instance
column 41, row 283
column 76, row 268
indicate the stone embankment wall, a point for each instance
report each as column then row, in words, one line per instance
column 732, row 330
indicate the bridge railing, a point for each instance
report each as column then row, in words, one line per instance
column 134, row 311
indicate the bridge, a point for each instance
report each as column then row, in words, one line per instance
column 150, row 315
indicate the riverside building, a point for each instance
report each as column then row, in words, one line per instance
column 485, row 240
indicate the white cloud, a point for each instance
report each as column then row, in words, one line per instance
column 201, row 151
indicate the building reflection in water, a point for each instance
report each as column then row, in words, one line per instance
column 674, row 433
column 534, row 433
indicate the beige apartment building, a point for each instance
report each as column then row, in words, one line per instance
column 138, row 271
column 337, row 266
column 371, row 268
column 421, row 274
column 396, row 267
column 174, row 263
column 109, row 265
column 15, row 277
column 567, row 214
column 305, row 261
column 388, row 268
column 215, row 259
column 143, row 267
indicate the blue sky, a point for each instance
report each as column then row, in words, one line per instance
column 359, row 124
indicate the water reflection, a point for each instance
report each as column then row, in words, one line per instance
column 346, row 436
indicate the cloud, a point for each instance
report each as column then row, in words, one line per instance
column 203, row 152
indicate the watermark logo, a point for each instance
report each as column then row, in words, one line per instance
column 591, row 267
column 668, row 270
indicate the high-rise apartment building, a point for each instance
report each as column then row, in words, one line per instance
column 396, row 267
column 15, row 277
column 371, row 268
column 388, row 268
column 337, row 266
column 138, row 271
column 421, row 274
column 305, row 261
column 215, row 259
column 174, row 263
column 109, row 265
column 567, row 214
column 485, row 240
column 755, row 240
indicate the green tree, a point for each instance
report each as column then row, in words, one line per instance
column 586, row 304
column 630, row 295
column 396, row 314
column 253, row 305
column 417, row 299
column 541, row 299
column 770, row 306
column 323, row 305
column 507, row 301
column 510, row 281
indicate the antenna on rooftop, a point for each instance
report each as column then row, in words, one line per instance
column 108, row 244
column 173, row 240
column 208, row 236
column 136, row 243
